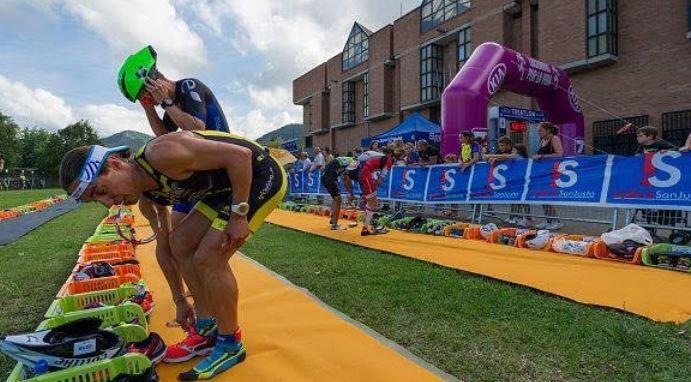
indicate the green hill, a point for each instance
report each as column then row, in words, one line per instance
column 285, row 133
column 133, row 139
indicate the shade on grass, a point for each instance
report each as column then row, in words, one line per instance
column 33, row 269
column 473, row 327
column 14, row 198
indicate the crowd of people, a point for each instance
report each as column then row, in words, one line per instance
column 473, row 150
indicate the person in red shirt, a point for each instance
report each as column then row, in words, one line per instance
column 369, row 185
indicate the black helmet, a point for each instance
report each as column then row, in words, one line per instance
column 73, row 344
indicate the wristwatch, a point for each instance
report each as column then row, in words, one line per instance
column 167, row 102
column 240, row 209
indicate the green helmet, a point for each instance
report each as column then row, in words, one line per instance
column 134, row 71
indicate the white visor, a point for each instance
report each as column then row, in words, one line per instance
column 92, row 167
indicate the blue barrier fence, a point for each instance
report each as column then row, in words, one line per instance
column 656, row 181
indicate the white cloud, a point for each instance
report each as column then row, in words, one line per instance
column 255, row 123
column 36, row 106
column 110, row 119
column 129, row 25
column 291, row 36
column 39, row 107
column 275, row 98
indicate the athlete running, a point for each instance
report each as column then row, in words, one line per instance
column 188, row 104
column 235, row 184
column 369, row 186
column 341, row 166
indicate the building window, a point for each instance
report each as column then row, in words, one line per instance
column 365, row 98
column 348, row 102
column 608, row 137
column 356, row 50
column 464, row 47
column 602, row 27
column 676, row 126
column 431, row 72
column 436, row 12
column 308, row 116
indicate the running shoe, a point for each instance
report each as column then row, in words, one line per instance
column 554, row 225
column 525, row 222
column 223, row 357
column 152, row 347
column 193, row 345
column 542, row 225
column 337, row 227
column 145, row 300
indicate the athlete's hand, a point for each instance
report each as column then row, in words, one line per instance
column 236, row 232
column 184, row 314
column 157, row 90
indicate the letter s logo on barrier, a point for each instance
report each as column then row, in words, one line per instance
column 562, row 169
column 409, row 181
column 296, row 177
column 448, row 182
column 496, row 78
column 498, row 177
column 310, row 180
column 673, row 172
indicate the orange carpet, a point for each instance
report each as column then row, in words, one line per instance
column 289, row 334
column 654, row 293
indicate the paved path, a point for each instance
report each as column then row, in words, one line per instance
column 13, row 229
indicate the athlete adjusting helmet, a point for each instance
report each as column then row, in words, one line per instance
column 135, row 70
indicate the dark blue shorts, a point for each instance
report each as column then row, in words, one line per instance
column 183, row 208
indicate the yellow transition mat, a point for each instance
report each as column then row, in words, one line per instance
column 654, row 293
column 290, row 335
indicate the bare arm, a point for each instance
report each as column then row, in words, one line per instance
column 154, row 121
column 558, row 149
column 183, row 120
column 348, row 183
column 687, row 145
column 154, row 213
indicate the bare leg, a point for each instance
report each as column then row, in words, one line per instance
column 335, row 209
column 220, row 285
column 185, row 239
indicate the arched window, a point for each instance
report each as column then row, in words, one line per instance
column 357, row 48
column 434, row 12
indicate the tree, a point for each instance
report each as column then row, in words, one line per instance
column 58, row 144
column 31, row 146
column 275, row 143
column 9, row 141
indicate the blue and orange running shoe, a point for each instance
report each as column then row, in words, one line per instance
column 228, row 352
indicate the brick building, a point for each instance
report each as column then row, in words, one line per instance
column 626, row 58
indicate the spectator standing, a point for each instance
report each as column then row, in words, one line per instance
column 2, row 164
column 319, row 162
column 649, row 143
column 508, row 152
column 411, row 155
column 550, row 147
column 428, row 154
column 328, row 155
column 374, row 146
column 303, row 163
column 470, row 151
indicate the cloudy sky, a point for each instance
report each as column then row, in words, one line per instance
column 59, row 58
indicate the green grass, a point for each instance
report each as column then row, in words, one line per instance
column 476, row 328
column 15, row 198
column 33, row 269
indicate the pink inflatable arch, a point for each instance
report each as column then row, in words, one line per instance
column 493, row 67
